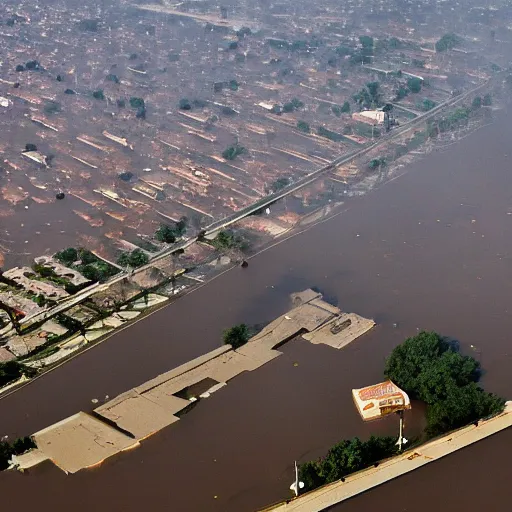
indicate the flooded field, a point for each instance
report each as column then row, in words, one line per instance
column 431, row 250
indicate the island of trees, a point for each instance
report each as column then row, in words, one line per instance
column 429, row 368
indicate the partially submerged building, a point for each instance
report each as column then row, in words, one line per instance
column 82, row 441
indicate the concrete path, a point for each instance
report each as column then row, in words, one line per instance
column 329, row 495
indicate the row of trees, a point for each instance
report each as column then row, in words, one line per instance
column 429, row 368
column 87, row 263
column 345, row 458
column 457, row 117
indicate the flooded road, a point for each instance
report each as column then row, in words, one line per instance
column 431, row 250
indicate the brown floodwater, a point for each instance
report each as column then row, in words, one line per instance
column 430, row 250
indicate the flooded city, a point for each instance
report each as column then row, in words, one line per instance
column 430, row 250
column 255, row 256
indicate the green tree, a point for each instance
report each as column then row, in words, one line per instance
column 310, row 474
column 401, row 93
column 67, row 256
column 33, row 65
column 414, row 84
column 303, row 126
column 52, row 107
column 113, row 78
column 98, row 94
column 409, row 359
column 91, row 272
column 136, row 102
column 184, row 104
column 427, row 105
column 366, row 41
column 431, row 369
column 279, row 184
column 345, row 107
column 166, row 234
column 288, row 107
column 236, row 336
column 12, row 370
column 487, row 100
column 169, row 234
column 133, row 259
column 336, row 110
column 22, row 445
column 86, row 256
column 447, row 42
column 6, row 453
column 232, row 152
column 462, row 406
column 477, row 102
column 377, row 162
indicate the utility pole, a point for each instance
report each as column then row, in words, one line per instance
column 296, row 484
column 401, row 439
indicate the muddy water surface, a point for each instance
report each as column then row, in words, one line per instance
column 431, row 250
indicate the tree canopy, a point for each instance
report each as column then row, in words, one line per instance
column 169, row 234
column 12, row 370
column 366, row 41
column 431, row 369
column 447, row 42
column 303, row 126
column 414, row 84
column 233, row 151
column 344, row 458
column 67, row 256
column 133, row 259
column 236, row 336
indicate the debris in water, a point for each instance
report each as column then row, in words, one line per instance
column 295, row 364
column 94, row 400
column 245, row 264
column 60, row 195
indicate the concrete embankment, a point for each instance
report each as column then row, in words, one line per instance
column 360, row 482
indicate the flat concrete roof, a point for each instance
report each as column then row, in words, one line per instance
column 81, row 441
column 356, row 328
